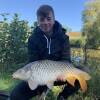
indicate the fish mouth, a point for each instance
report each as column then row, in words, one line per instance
column 14, row 76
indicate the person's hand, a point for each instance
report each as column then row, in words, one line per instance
column 61, row 78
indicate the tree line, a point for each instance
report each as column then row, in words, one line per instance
column 14, row 34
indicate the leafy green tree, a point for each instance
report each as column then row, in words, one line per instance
column 94, row 40
column 90, row 17
column 90, row 21
column 4, row 34
column 17, row 39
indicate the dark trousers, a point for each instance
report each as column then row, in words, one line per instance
column 23, row 92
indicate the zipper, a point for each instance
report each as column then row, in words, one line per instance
column 48, row 44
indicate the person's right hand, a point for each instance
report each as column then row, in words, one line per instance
column 61, row 78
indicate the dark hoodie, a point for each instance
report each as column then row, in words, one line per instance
column 56, row 47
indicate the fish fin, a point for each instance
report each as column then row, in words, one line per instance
column 50, row 84
column 83, row 83
column 72, row 78
column 83, row 74
column 32, row 84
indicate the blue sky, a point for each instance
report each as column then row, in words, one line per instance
column 67, row 12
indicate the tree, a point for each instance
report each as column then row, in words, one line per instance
column 90, row 19
column 4, row 34
column 94, row 40
column 17, row 39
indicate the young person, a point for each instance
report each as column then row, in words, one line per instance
column 48, row 41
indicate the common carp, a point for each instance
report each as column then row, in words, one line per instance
column 46, row 72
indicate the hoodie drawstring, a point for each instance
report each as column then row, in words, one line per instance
column 48, row 44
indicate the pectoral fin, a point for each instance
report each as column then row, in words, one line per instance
column 50, row 84
column 32, row 84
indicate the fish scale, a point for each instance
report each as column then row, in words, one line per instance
column 46, row 72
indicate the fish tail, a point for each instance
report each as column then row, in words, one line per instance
column 83, row 84
column 71, row 78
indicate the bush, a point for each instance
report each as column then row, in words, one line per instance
column 75, row 43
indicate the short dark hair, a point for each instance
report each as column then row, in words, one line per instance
column 44, row 10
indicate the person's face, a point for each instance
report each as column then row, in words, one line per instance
column 46, row 23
